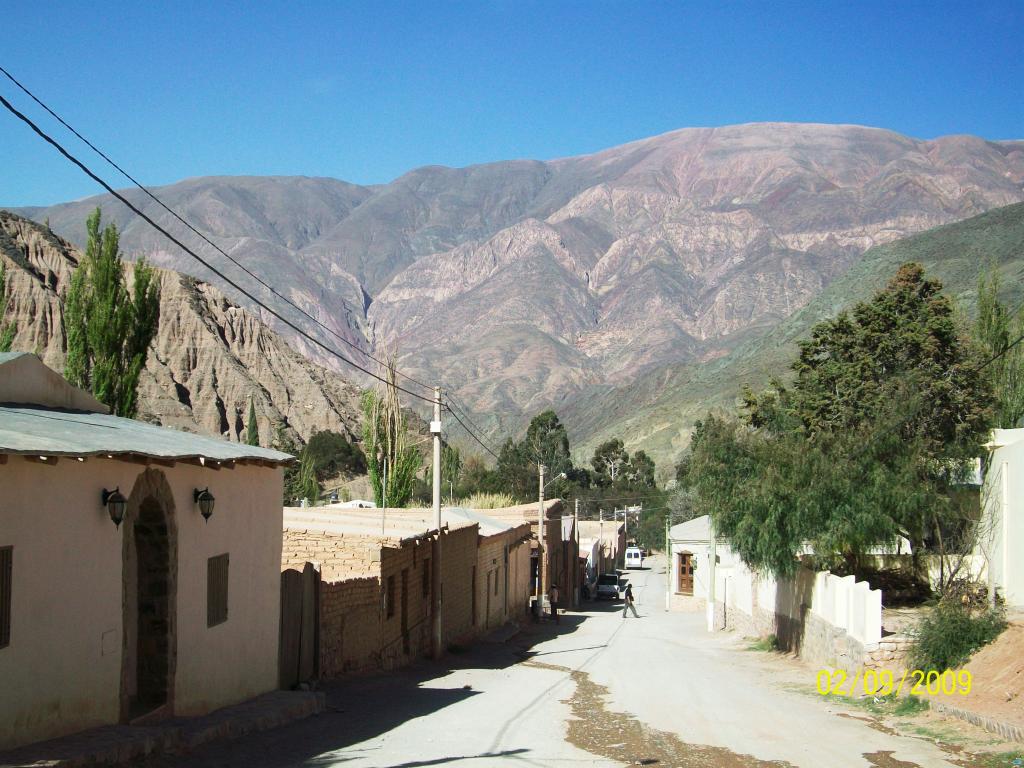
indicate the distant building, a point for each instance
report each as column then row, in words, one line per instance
column 612, row 538
column 166, row 613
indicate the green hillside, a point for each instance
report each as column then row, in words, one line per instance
column 658, row 412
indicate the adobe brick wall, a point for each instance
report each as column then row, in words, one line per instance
column 458, row 561
column 350, row 626
column 340, row 557
column 397, row 647
column 356, row 632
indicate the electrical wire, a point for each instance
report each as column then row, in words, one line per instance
column 471, row 433
column 202, row 236
column 88, row 172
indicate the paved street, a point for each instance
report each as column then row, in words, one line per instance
column 578, row 696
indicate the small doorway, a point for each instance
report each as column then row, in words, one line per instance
column 149, row 599
column 685, row 583
column 152, row 610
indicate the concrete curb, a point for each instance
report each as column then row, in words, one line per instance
column 1008, row 731
column 118, row 744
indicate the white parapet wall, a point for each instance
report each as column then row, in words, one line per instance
column 828, row 619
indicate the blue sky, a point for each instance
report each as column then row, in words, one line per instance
column 368, row 91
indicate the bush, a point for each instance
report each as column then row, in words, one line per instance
column 958, row 626
column 488, row 501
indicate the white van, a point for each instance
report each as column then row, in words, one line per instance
column 634, row 557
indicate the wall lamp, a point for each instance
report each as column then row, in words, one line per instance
column 115, row 502
column 205, row 501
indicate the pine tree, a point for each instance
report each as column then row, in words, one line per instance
column 108, row 330
column 252, row 431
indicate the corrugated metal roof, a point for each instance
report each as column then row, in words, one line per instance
column 53, row 432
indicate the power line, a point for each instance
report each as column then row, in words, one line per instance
column 471, row 432
column 85, row 169
column 462, row 410
column 202, row 236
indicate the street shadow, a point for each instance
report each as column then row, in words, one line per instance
column 363, row 708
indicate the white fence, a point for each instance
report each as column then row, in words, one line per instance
column 818, row 614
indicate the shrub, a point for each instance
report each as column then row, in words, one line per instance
column 488, row 501
column 958, row 626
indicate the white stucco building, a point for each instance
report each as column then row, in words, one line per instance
column 1001, row 539
column 691, row 544
column 167, row 613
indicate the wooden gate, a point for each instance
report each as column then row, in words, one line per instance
column 299, row 655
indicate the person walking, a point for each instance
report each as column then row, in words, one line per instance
column 553, row 596
column 628, row 604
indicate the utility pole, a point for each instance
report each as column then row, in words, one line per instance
column 712, row 561
column 669, row 564
column 540, row 545
column 435, row 571
column 384, row 498
column 576, row 565
column 600, row 539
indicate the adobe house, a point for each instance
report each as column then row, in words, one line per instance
column 560, row 553
column 376, row 584
column 375, row 589
column 139, row 565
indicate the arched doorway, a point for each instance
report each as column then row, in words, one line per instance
column 149, row 604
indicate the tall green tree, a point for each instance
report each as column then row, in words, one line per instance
column 386, row 443
column 862, row 447
column 995, row 329
column 252, row 430
column 610, row 461
column 451, row 467
column 6, row 329
column 109, row 329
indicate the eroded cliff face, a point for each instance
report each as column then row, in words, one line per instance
column 210, row 357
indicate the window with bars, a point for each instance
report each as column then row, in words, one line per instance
column 6, row 569
column 217, row 590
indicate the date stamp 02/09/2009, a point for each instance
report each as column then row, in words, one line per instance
column 884, row 682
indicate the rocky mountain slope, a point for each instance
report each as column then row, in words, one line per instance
column 209, row 359
column 525, row 284
column 658, row 411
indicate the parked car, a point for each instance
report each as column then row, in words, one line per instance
column 608, row 586
column 634, row 557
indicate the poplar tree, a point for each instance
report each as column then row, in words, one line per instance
column 386, row 439
column 109, row 329
column 252, row 430
column 6, row 330
column 994, row 331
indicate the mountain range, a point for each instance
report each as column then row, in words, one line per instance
column 596, row 284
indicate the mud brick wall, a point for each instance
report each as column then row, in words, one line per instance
column 398, row 647
column 340, row 557
column 503, row 577
column 350, row 626
column 458, row 562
